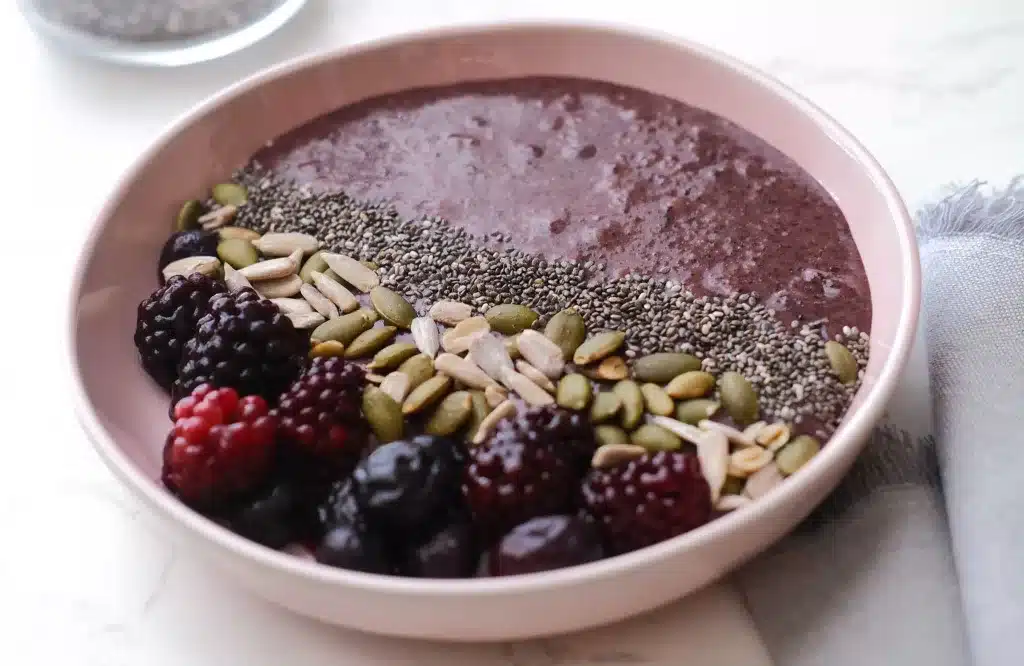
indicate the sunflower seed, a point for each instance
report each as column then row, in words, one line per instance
column 610, row 434
column 450, row 415
column 526, row 389
column 419, row 368
column 731, row 502
column 334, row 290
column 450, row 313
column 541, row 353
column 489, row 353
column 844, row 365
column 370, row 342
column 734, row 435
column 273, row 269
column 282, row 244
column 327, row 349
column 285, row 287
column 292, row 305
column 209, row 266
column 690, row 433
column 314, row 263
column 351, row 271
column 753, row 429
column 612, row 369
column 393, row 356
column 773, row 436
column 713, row 454
column 632, row 403
column 503, row 411
column 392, row 306
column 655, row 438
column 659, row 368
column 427, row 394
column 512, row 347
column 509, row 319
column 745, row 462
column 657, row 401
column 396, row 385
column 234, row 280
column 230, row 194
column 695, row 411
column 690, row 384
column 464, row 370
column 374, row 378
column 425, row 335
column 535, row 376
column 217, row 218
column 796, row 454
column 320, row 303
column 495, row 395
column 458, row 339
column 761, row 481
column 306, row 320
column 574, row 392
column 567, row 330
column 606, row 405
column 613, row 455
column 383, row 414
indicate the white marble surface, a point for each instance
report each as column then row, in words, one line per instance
column 84, row 579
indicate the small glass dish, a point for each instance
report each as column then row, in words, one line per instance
column 162, row 33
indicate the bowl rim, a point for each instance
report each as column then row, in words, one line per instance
column 850, row 435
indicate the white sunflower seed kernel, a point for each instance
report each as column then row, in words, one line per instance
column 713, row 453
column 188, row 265
column 426, row 336
column 610, row 455
column 463, row 370
column 731, row 502
column 351, row 271
column 234, row 280
column 535, row 375
column 542, row 353
column 396, row 384
column 290, row 306
column 273, row 269
column 218, row 217
column 306, row 320
column 773, row 437
column 525, row 388
column 450, row 313
column 763, row 480
column 732, row 434
column 505, row 410
column 283, row 243
column 320, row 303
column 746, row 461
column 495, row 395
column 490, row 354
column 337, row 292
column 285, row 287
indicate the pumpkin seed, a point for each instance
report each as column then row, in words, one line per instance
column 695, row 411
column 738, row 398
column 754, row 429
column 370, row 342
column 503, row 411
column 338, row 293
column 567, row 330
column 610, row 434
column 217, row 218
column 613, row 455
column 489, row 353
column 327, row 349
column 370, row 314
column 392, row 356
column 306, row 320
column 419, row 368
column 612, row 369
column 427, row 394
column 392, row 306
column 426, row 336
column 344, row 329
column 316, row 263
column 495, row 395
column 450, row 313
column 292, row 305
column 632, row 403
column 450, row 415
column 773, row 436
column 606, row 405
column 796, row 454
column 209, row 266
column 458, row 339
column 227, row 233
column 396, row 385
column 842, row 361
column 509, row 319
column 535, row 376
column 691, row 384
column 512, row 347
column 574, row 392
column 656, row 400
column 661, row 367
column 283, row 243
column 541, row 353
column 383, row 414
column 188, row 215
column 733, row 485
column 526, row 389
column 230, row 194
column 763, row 480
column 464, row 370
column 273, row 269
column 596, row 348
column 655, row 438
column 318, row 301
column 352, row 272
column 234, row 280
column 285, row 287
column 745, row 462
column 731, row 502
column 479, row 410
column 237, row 253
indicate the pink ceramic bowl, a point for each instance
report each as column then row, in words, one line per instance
column 125, row 414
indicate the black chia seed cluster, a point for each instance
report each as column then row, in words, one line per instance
column 428, row 260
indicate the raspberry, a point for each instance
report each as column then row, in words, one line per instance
column 649, row 499
column 320, row 415
column 167, row 320
column 245, row 343
column 221, row 446
column 192, row 243
column 523, row 470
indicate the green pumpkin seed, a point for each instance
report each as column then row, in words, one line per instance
column 427, row 394
column 655, row 438
column 369, row 314
column 237, row 252
column 230, row 194
column 370, row 342
column 738, row 398
column 733, row 485
column 606, row 405
column 227, row 233
column 567, row 330
column 316, row 262
column 601, row 345
column 574, row 392
column 383, row 414
column 796, row 454
column 372, row 265
column 691, row 384
column 479, row 411
column 609, row 434
column 327, row 349
column 393, row 356
column 509, row 319
column 842, row 361
column 695, row 411
column 450, row 415
column 344, row 329
column 662, row 367
column 632, row 402
column 392, row 306
column 419, row 368
column 657, row 401
column 188, row 215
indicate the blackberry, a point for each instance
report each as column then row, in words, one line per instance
column 448, row 553
column 338, row 507
column 192, row 243
column 167, row 320
column 545, row 543
column 245, row 343
column 265, row 518
column 649, row 499
column 353, row 547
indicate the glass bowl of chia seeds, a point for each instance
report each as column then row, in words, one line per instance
column 164, row 33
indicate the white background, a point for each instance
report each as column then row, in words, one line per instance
column 933, row 89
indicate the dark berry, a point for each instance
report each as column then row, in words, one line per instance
column 220, row 448
column 648, row 500
column 245, row 343
column 167, row 320
column 545, row 543
column 451, row 552
column 353, row 547
column 320, row 415
column 404, row 485
column 267, row 518
column 524, row 470
column 338, row 507
column 192, row 243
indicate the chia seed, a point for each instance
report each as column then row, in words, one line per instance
column 428, row 260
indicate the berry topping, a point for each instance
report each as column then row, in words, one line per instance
column 339, row 507
column 449, row 553
column 167, row 320
column 648, row 499
column 243, row 342
column 267, row 518
column 221, row 446
column 545, row 543
column 353, row 547
column 192, row 243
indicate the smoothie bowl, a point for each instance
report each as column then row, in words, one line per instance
column 493, row 332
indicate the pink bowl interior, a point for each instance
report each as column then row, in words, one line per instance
column 127, row 414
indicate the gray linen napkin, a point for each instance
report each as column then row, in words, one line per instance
column 877, row 575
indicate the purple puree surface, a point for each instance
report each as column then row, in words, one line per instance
column 580, row 169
